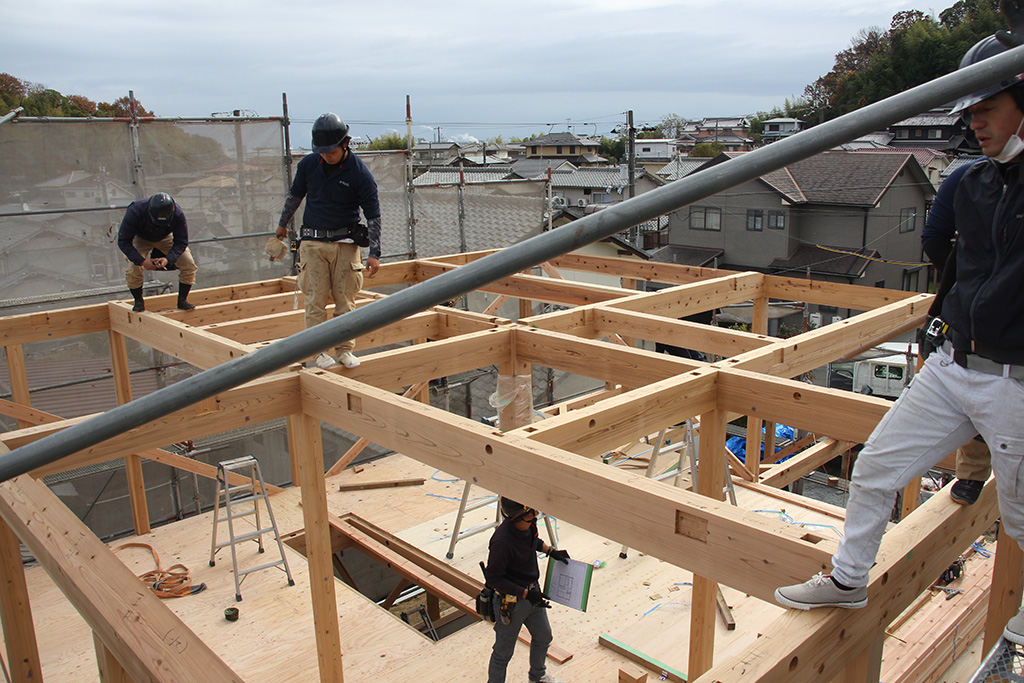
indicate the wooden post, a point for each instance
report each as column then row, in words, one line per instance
column 15, row 610
column 132, row 463
column 865, row 667
column 19, row 378
column 111, row 670
column 293, row 425
column 310, row 458
column 758, row 325
column 710, row 483
column 1004, row 598
column 423, row 395
column 507, row 418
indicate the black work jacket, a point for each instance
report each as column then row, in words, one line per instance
column 985, row 308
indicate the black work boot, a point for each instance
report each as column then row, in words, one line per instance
column 140, row 305
column 966, row 491
column 183, row 291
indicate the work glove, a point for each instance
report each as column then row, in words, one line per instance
column 560, row 555
column 535, row 596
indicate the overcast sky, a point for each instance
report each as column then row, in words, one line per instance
column 477, row 68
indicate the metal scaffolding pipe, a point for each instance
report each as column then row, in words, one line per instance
column 511, row 260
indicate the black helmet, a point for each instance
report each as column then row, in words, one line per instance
column 161, row 208
column 329, row 131
column 983, row 49
column 513, row 510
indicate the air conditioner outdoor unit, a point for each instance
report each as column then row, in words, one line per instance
column 558, row 202
column 581, row 202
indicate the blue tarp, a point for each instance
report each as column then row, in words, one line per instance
column 738, row 444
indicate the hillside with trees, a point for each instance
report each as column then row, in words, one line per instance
column 38, row 100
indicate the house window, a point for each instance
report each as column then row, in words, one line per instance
column 911, row 280
column 533, row 149
column 935, row 133
column 776, row 220
column 600, row 197
column 918, row 133
column 755, row 220
column 572, row 149
column 558, row 149
column 903, row 133
column 645, row 149
column 705, row 218
column 908, row 219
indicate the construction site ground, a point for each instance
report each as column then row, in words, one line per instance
column 639, row 601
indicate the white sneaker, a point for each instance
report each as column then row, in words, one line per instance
column 548, row 678
column 323, row 361
column 349, row 360
column 821, row 591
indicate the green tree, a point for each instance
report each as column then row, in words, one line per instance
column 121, row 107
column 612, row 149
column 707, row 149
column 671, row 126
column 389, row 141
column 12, row 92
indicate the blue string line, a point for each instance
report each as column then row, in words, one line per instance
column 662, row 604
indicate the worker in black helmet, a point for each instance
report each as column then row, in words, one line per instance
column 154, row 236
column 973, row 382
column 512, row 571
column 336, row 185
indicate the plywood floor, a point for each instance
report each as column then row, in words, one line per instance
column 639, row 600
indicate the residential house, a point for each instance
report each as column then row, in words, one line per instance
column 81, row 189
column 585, row 186
column 936, row 129
column 730, row 132
column 581, row 151
column 838, row 216
column 778, row 128
column 680, row 167
column 932, row 161
column 426, row 154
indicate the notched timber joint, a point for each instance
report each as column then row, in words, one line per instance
column 691, row 527
column 207, row 406
column 354, row 403
column 811, row 538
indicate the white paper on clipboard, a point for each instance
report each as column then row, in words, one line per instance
column 569, row 584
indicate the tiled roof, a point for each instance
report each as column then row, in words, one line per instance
column 924, row 155
column 840, row 261
column 593, row 177
column 846, row 178
column 686, row 256
column 958, row 162
column 562, row 139
column 680, row 167
column 536, row 168
column 450, row 176
column 931, row 118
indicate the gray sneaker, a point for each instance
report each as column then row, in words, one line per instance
column 323, row 361
column 820, row 591
column 547, row 678
column 1014, row 631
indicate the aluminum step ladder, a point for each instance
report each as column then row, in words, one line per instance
column 466, row 506
column 243, row 500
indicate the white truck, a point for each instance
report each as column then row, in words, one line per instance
column 883, row 371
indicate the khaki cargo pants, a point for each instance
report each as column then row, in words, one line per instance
column 330, row 270
column 186, row 266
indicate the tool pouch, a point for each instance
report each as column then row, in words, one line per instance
column 359, row 234
column 485, row 604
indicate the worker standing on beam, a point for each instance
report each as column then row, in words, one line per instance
column 336, row 184
column 974, row 381
column 938, row 239
column 513, row 573
column 154, row 236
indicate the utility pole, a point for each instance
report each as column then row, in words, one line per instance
column 631, row 152
column 409, row 178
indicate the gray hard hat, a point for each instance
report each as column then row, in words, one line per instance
column 329, row 131
column 982, row 50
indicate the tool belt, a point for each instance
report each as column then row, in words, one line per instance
column 978, row 363
column 358, row 233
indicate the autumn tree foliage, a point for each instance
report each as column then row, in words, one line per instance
column 38, row 100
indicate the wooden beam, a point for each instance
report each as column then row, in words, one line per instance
column 590, row 358
column 18, row 377
column 55, row 324
column 683, row 300
column 257, row 401
column 423, row 362
column 804, row 462
column 1007, row 584
column 592, row 430
column 360, row 445
column 840, row 414
column 146, row 637
column 804, row 352
column 132, row 463
column 720, row 341
column 856, row 297
column 16, row 610
column 636, row 268
column 319, row 552
column 690, row 531
column 26, row 416
column 813, row 646
column 195, row 346
column 387, row 484
column 711, row 469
